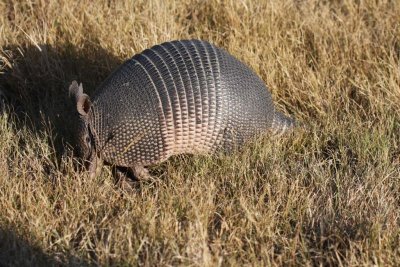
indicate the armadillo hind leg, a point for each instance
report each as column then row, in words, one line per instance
column 282, row 123
column 123, row 178
column 129, row 175
column 141, row 173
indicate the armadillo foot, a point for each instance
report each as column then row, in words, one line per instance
column 141, row 173
column 124, row 179
column 130, row 176
column 95, row 166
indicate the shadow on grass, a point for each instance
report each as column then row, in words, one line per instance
column 17, row 251
column 36, row 85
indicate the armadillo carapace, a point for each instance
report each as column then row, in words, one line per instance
column 185, row 96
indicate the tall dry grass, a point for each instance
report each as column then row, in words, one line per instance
column 327, row 196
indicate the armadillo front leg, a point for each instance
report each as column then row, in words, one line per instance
column 95, row 166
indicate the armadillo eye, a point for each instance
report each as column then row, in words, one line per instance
column 88, row 140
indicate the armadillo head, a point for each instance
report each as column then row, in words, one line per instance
column 84, row 138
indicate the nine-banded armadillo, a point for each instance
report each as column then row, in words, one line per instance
column 177, row 97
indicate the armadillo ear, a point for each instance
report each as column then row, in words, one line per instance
column 83, row 103
column 75, row 90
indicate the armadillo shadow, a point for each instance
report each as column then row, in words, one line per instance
column 36, row 83
column 17, row 251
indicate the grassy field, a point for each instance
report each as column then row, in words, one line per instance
column 326, row 196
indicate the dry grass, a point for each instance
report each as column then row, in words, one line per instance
column 329, row 196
